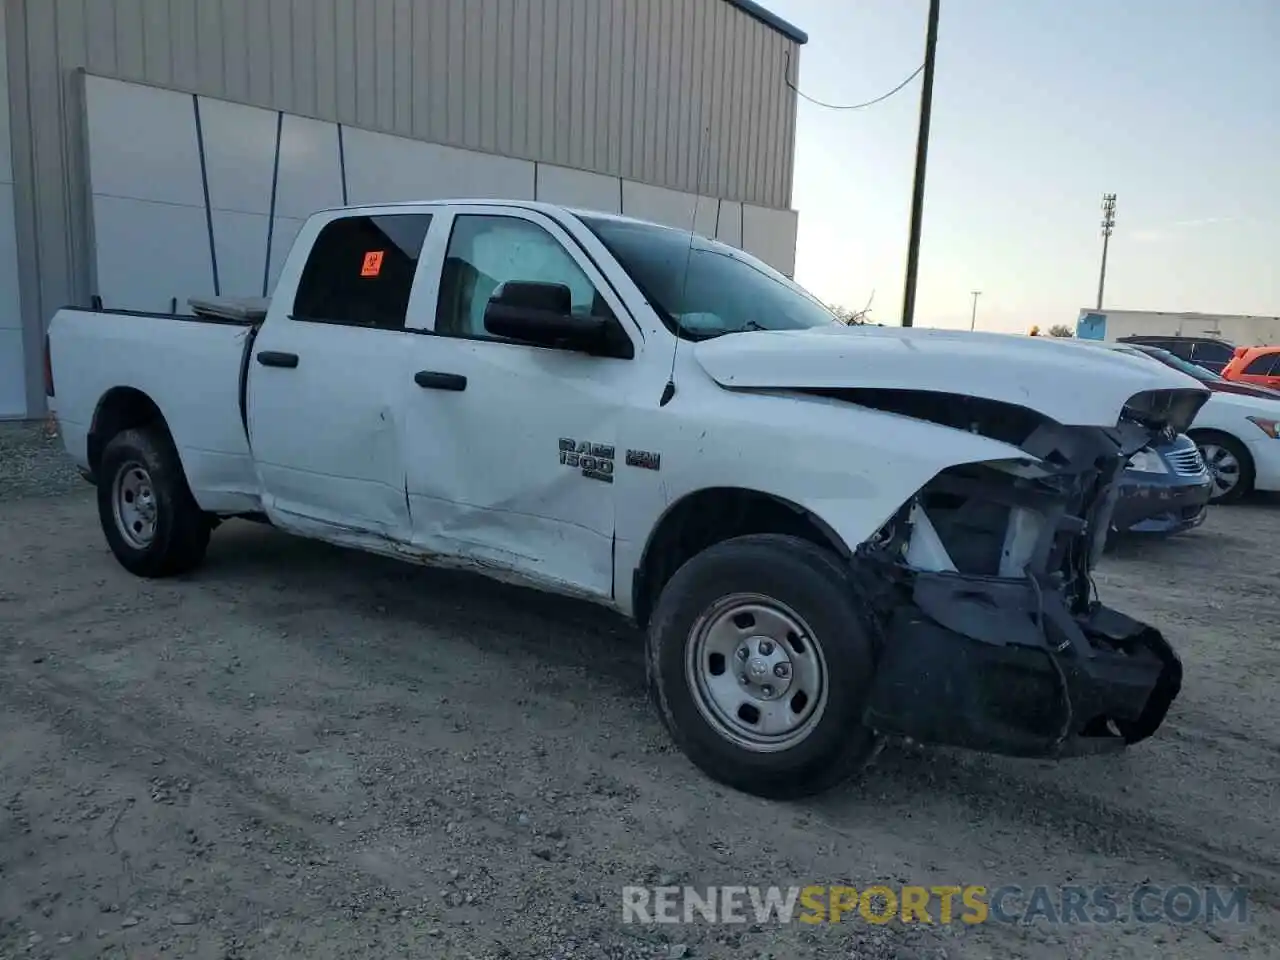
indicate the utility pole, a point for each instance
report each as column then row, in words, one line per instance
column 922, row 152
column 973, row 317
column 1108, row 225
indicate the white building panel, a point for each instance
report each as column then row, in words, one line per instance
column 310, row 176
column 728, row 226
column 239, row 155
column 157, row 243
column 381, row 168
column 150, row 253
column 241, row 242
column 771, row 236
column 142, row 143
column 578, row 188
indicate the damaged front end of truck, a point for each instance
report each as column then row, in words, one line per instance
column 990, row 633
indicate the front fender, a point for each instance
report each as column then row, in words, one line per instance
column 851, row 467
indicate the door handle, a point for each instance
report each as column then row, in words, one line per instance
column 274, row 358
column 434, row 380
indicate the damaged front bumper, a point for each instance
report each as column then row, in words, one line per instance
column 989, row 634
column 1004, row 667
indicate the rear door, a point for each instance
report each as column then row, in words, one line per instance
column 512, row 447
column 325, row 398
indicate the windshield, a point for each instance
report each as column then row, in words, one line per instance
column 1186, row 366
column 727, row 291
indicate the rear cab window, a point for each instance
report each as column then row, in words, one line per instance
column 361, row 269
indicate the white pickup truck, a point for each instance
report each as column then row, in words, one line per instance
column 831, row 534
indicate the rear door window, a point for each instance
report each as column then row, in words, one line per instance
column 361, row 269
column 1262, row 366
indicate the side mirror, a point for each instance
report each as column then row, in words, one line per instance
column 542, row 314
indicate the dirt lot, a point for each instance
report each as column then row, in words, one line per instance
column 306, row 752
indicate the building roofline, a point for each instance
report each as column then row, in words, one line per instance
column 752, row 9
column 1181, row 314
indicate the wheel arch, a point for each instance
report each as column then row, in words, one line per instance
column 121, row 408
column 703, row 518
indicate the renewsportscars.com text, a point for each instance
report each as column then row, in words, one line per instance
column 970, row 904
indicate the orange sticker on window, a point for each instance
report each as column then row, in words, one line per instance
column 372, row 265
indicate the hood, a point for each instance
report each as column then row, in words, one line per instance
column 1058, row 379
column 1247, row 404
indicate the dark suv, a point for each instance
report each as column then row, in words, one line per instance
column 1208, row 352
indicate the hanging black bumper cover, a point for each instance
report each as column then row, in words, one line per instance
column 1004, row 666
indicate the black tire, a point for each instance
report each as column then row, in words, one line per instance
column 181, row 531
column 1238, row 450
column 810, row 582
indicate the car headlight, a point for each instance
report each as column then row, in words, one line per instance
column 1148, row 461
column 1270, row 427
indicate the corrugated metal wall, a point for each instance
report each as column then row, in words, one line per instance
column 688, row 94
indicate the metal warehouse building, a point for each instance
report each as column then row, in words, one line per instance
column 154, row 150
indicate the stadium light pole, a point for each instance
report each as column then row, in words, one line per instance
column 1108, row 225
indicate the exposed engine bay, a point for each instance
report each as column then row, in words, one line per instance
column 990, row 632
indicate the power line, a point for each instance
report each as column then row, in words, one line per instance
column 786, row 77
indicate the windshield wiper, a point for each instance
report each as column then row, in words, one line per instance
column 749, row 325
column 709, row 333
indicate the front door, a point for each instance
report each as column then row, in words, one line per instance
column 324, row 400
column 512, row 447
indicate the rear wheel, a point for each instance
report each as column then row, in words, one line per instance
column 760, row 661
column 1229, row 465
column 152, row 523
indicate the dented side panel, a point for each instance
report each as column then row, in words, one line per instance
column 849, row 466
column 517, row 471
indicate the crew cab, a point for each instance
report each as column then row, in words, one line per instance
column 830, row 534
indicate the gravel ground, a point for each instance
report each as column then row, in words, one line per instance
column 301, row 751
column 32, row 462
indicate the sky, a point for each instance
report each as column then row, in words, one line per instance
column 1040, row 107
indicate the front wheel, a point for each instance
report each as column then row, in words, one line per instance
column 152, row 523
column 760, row 661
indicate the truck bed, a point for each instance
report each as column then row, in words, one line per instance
column 191, row 367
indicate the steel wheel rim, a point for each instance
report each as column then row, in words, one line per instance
column 1224, row 468
column 757, row 673
column 133, row 504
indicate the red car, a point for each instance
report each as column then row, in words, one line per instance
column 1259, row 366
